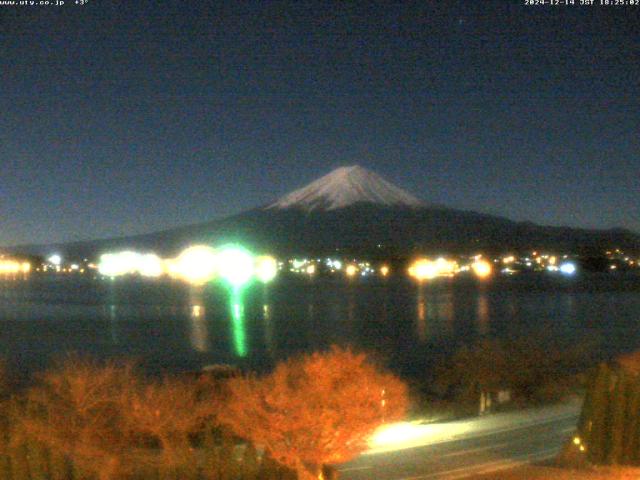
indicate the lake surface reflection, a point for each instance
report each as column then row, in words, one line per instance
column 409, row 326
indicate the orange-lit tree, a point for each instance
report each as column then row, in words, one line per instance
column 75, row 410
column 166, row 414
column 110, row 422
column 316, row 409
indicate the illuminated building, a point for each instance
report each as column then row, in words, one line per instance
column 235, row 265
column 196, row 265
column 481, row 268
column 12, row 267
column 351, row 270
column 117, row 264
column 568, row 268
column 426, row 269
column 266, row 268
column 422, row 270
column 150, row 265
column 55, row 260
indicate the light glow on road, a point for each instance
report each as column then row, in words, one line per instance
column 402, row 435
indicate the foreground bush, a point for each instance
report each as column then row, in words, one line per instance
column 314, row 410
column 110, row 423
column 532, row 369
column 609, row 426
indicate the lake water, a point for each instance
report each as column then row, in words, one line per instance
column 167, row 325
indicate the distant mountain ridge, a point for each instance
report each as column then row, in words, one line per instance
column 353, row 210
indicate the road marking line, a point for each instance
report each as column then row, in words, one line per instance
column 446, row 455
column 474, row 450
column 353, row 469
column 488, row 433
column 488, row 467
column 507, row 465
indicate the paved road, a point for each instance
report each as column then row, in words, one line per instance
column 483, row 445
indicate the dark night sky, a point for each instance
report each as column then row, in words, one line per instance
column 123, row 117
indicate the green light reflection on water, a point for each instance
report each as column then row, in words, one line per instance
column 237, row 323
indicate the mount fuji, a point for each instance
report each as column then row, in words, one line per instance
column 346, row 186
column 352, row 210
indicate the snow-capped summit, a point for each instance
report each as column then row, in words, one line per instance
column 346, row 186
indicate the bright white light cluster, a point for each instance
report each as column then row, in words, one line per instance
column 266, row 268
column 129, row 262
column 565, row 268
column 333, row 265
column 235, row 265
column 301, row 265
column 196, row 265
column 348, row 267
column 365, row 269
column 55, row 260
